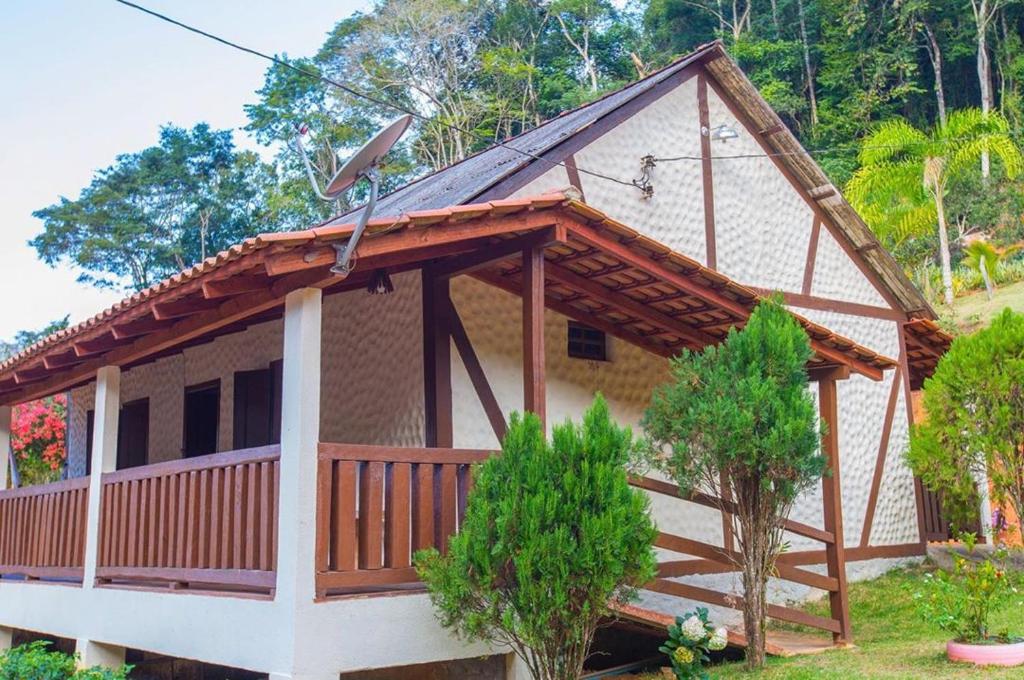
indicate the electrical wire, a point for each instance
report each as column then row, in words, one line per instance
column 852, row 149
column 361, row 95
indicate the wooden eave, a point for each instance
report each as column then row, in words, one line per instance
column 794, row 161
column 925, row 342
column 597, row 271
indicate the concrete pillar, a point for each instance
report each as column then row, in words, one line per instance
column 5, row 445
column 91, row 653
column 516, row 668
column 6, row 638
column 296, row 520
column 104, row 459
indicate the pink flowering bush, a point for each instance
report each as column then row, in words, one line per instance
column 38, row 439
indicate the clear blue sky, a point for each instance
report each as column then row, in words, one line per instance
column 84, row 80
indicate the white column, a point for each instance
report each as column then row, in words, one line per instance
column 104, row 459
column 6, row 638
column 5, row 445
column 91, row 653
column 516, row 668
column 296, row 520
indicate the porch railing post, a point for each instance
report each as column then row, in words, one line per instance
column 534, row 381
column 5, row 445
column 104, row 459
column 835, row 552
column 300, row 433
column 437, row 360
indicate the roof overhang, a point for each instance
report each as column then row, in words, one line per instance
column 598, row 271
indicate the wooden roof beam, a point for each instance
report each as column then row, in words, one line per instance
column 513, row 247
column 63, row 359
column 140, row 326
column 571, row 311
column 174, row 309
column 637, row 261
column 188, row 328
column 97, row 345
column 374, row 245
column 624, row 302
column 236, row 285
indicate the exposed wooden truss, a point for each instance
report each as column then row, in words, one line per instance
column 590, row 268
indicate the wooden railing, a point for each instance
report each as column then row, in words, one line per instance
column 712, row 559
column 377, row 505
column 203, row 522
column 42, row 530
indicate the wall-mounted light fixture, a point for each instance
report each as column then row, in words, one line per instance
column 380, row 283
column 723, row 133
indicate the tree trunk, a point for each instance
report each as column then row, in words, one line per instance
column 989, row 288
column 754, row 611
column 935, row 56
column 983, row 13
column 944, row 259
column 775, row 19
column 985, row 78
column 808, row 71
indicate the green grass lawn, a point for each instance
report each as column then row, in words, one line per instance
column 973, row 311
column 891, row 641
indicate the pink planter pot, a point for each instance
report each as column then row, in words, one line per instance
column 986, row 655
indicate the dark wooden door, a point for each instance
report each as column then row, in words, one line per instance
column 257, row 407
column 202, row 419
column 133, row 434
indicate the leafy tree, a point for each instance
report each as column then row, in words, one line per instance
column 38, row 428
column 739, row 415
column 552, row 533
column 34, row 661
column 985, row 257
column 975, row 423
column 159, row 210
column 39, row 439
column 905, row 173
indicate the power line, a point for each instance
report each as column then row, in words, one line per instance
column 356, row 93
column 853, row 149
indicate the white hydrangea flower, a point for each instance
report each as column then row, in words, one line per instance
column 693, row 629
column 718, row 640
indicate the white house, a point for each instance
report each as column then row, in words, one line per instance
column 257, row 445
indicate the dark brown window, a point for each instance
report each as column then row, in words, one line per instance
column 587, row 343
column 132, row 434
column 257, row 404
column 202, row 419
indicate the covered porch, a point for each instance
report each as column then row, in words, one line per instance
column 310, row 519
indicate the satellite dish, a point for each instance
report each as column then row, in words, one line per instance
column 369, row 156
column 363, row 163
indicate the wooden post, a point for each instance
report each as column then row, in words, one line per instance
column 533, row 333
column 437, row 361
column 831, row 493
column 106, row 413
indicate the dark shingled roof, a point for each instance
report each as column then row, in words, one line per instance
column 467, row 179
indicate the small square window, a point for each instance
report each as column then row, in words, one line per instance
column 587, row 343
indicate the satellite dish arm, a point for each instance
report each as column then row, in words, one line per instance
column 309, row 170
column 343, row 264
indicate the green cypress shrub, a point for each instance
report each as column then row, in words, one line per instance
column 740, row 414
column 553, row 532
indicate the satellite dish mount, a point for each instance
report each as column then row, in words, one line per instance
column 364, row 164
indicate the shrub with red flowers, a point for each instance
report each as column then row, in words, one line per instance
column 38, row 437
